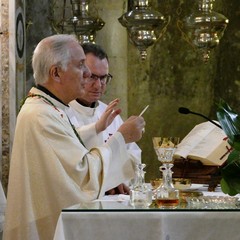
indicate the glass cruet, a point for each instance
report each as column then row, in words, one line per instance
column 140, row 192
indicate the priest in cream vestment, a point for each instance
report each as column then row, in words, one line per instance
column 84, row 117
column 50, row 168
column 87, row 109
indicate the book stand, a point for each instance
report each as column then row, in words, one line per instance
column 197, row 172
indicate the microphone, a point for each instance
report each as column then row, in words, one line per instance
column 184, row 110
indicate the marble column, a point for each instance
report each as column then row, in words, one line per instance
column 113, row 38
column 12, row 76
column 4, row 86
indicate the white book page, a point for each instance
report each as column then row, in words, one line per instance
column 220, row 155
column 193, row 139
column 211, row 148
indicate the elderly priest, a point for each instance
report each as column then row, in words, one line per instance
column 50, row 168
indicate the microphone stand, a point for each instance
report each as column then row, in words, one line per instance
column 187, row 111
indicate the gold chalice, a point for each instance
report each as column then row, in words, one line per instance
column 166, row 195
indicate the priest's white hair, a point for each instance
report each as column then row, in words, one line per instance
column 53, row 50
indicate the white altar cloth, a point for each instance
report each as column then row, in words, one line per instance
column 148, row 225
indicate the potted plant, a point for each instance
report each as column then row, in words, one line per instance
column 230, row 171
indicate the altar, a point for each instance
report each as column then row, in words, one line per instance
column 113, row 218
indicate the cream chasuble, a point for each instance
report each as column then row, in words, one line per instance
column 84, row 119
column 50, row 169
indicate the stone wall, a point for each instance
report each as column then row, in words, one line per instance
column 175, row 76
column 4, row 90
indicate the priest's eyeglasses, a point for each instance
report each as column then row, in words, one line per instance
column 103, row 79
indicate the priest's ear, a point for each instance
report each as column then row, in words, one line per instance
column 55, row 73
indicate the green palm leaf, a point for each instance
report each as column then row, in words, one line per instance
column 230, row 123
column 230, row 172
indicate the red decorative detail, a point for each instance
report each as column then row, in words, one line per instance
column 228, row 151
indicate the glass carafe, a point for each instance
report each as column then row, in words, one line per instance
column 140, row 193
column 167, row 196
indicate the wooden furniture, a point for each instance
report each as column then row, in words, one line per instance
column 197, row 172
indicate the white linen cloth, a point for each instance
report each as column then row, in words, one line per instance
column 50, row 169
column 148, row 225
column 84, row 118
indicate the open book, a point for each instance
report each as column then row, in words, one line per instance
column 205, row 142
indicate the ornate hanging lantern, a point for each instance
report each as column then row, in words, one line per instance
column 82, row 24
column 205, row 27
column 144, row 25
